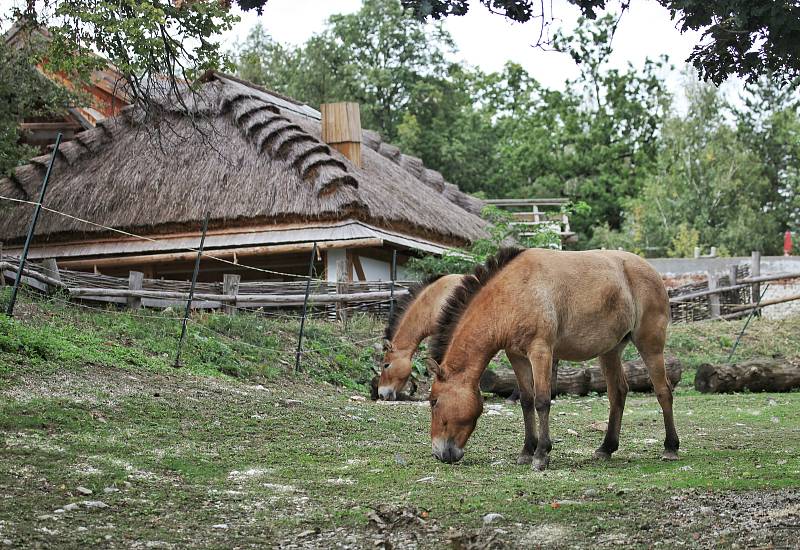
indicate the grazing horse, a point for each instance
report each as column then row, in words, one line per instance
column 413, row 320
column 545, row 304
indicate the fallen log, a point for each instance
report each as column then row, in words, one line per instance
column 756, row 375
column 581, row 380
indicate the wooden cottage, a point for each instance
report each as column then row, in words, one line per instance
column 256, row 161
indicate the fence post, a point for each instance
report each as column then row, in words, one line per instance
column 135, row 280
column 34, row 219
column 230, row 286
column 755, row 271
column 393, row 275
column 341, row 288
column 50, row 268
column 734, row 275
column 713, row 299
column 305, row 308
column 2, row 272
column 191, row 290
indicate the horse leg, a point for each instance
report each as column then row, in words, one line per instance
column 554, row 380
column 522, row 368
column 654, row 360
column 540, row 356
column 611, row 364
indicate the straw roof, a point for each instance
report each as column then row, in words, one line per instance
column 244, row 154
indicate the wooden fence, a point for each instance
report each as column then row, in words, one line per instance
column 229, row 295
column 727, row 297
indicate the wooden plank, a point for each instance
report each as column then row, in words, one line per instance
column 713, row 299
column 50, row 269
column 358, row 267
column 243, row 298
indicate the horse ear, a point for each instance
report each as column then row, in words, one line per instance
column 387, row 345
column 435, row 368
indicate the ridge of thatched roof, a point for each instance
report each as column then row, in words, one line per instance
column 244, row 154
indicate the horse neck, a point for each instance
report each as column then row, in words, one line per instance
column 417, row 323
column 475, row 341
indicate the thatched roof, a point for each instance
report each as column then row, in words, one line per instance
column 257, row 158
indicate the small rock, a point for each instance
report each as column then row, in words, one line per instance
column 220, row 526
column 83, row 490
column 400, row 460
column 771, row 402
column 110, row 490
column 127, row 484
column 781, row 462
column 685, row 468
column 292, row 402
column 706, row 510
column 599, row 426
column 58, row 511
column 425, row 479
column 493, row 412
column 650, row 441
column 590, row 493
column 570, row 431
column 7, row 542
column 775, row 420
column 71, row 507
column 491, row 518
column 95, row 504
column 357, row 398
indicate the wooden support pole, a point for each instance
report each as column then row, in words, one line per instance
column 230, row 286
column 393, row 276
column 2, row 276
column 135, row 280
column 755, row 271
column 713, row 299
column 50, row 269
column 341, row 289
column 305, row 309
column 733, row 275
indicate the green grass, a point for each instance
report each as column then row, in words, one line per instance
column 90, row 399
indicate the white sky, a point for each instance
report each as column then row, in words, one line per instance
column 488, row 40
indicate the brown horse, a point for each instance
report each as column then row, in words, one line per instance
column 540, row 305
column 413, row 320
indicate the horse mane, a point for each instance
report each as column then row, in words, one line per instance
column 461, row 297
column 402, row 304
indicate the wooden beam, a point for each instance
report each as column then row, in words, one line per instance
column 226, row 254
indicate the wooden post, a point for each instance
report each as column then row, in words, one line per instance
column 342, row 277
column 230, row 286
column 50, row 268
column 2, row 275
column 135, row 280
column 393, row 276
column 341, row 128
column 733, row 275
column 713, row 299
column 755, row 271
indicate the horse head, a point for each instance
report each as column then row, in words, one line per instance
column 456, row 405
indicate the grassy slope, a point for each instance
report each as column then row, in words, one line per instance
column 89, row 399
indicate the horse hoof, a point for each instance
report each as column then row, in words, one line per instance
column 540, row 464
column 524, row 459
column 602, row 455
column 670, row 455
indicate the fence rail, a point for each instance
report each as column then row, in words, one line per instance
column 727, row 297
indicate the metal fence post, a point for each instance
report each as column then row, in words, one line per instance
column 34, row 219
column 191, row 290
column 305, row 308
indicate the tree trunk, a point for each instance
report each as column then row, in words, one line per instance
column 581, row 380
column 774, row 375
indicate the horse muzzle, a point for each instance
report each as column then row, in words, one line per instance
column 447, row 451
column 387, row 393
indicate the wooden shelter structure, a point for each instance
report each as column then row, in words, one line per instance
column 102, row 97
column 257, row 162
